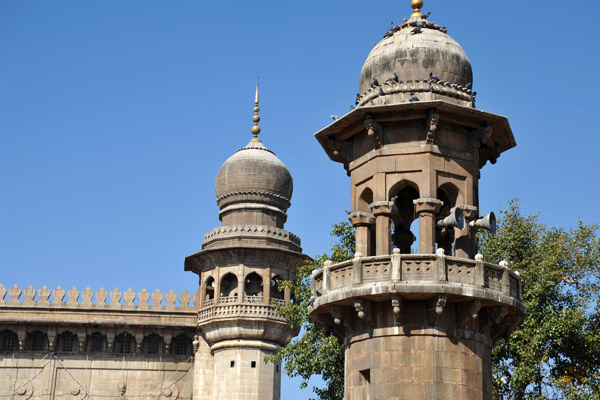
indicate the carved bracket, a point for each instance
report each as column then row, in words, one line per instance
column 470, row 313
column 431, row 126
column 373, row 130
column 359, row 307
column 397, row 309
column 436, row 313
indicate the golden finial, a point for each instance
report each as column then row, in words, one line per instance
column 416, row 5
column 256, row 118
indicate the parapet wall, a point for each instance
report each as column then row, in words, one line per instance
column 100, row 307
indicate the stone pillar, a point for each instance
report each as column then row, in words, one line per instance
column 362, row 222
column 267, row 285
column 382, row 210
column 464, row 245
column 426, row 210
column 217, row 293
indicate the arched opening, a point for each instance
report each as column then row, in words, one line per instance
column 275, row 292
column 404, row 215
column 67, row 343
column 209, row 287
column 365, row 200
column 153, row 344
column 96, row 343
column 36, row 341
column 229, row 285
column 253, row 285
column 125, row 343
column 8, row 341
column 444, row 236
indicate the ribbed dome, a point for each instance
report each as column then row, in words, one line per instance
column 254, row 174
column 412, row 57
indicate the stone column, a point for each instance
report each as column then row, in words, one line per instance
column 217, row 293
column 267, row 285
column 464, row 244
column 426, row 210
column 382, row 210
column 362, row 221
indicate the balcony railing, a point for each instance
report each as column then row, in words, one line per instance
column 434, row 268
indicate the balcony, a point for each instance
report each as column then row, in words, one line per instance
column 416, row 276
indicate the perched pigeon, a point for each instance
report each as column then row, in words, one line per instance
column 335, row 117
column 351, row 107
column 416, row 30
column 434, row 77
column 444, row 29
column 381, row 92
column 421, row 24
column 413, row 97
column 357, row 98
column 393, row 78
column 374, row 82
column 405, row 20
column 431, row 89
column 388, row 33
column 425, row 16
column 468, row 85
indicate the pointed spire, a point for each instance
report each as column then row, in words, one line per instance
column 416, row 5
column 256, row 118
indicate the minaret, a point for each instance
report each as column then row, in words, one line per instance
column 417, row 324
column 238, row 266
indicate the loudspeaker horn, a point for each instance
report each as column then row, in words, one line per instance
column 488, row 223
column 455, row 219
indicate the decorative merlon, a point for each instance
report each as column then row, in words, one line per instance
column 87, row 299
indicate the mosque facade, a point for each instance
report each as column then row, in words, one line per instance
column 415, row 324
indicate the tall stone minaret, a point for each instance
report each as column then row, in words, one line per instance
column 238, row 267
column 418, row 317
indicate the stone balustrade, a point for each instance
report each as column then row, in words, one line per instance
column 239, row 310
column 407, row 269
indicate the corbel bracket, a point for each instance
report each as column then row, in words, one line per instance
column 397, row 309
column 373, row 130
column 470, row 313
column 431, row 126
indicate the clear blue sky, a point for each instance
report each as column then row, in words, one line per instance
column 115, row 117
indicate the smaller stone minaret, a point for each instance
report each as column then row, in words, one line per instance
column 420, row 325
column 238, row 268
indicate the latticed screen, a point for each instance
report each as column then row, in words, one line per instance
column 153, row 344
column 68, row 343
column 125, row 344
column 37, row 341
column 8, row 341
column 182, row 346
column 96, row 343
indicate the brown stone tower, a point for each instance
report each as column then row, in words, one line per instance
column 238, row 266
column 417, row 325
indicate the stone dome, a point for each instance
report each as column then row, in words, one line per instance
column 412, row 51
column 254, row 174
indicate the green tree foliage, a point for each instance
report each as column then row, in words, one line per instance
column 314, row 352
column 555, row 352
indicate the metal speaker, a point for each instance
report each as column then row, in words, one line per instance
column 455, row 219
column 488, row 223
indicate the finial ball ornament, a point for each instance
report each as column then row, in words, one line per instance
column 416, row 5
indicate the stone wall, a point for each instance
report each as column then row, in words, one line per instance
column 40, row 376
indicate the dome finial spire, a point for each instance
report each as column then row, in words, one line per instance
column 416, row 5
column 256, row 118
